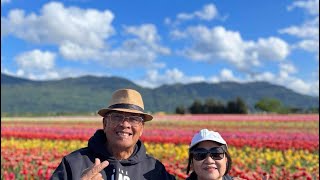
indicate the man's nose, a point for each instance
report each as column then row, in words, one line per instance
column 125, row 122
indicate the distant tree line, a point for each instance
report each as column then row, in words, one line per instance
column 212, row 106
column 238, row 106
column 273, row 105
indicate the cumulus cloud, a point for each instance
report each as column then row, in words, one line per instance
column 284, row 78
column 82, row 34
column 207, row 13
column 171, row 76
column 271, row 48
column 224, row 75
column 311, row 6
column 131, row 55
column 219, row 44
column 288, row 68
column 141, row 47
column 57, row 25
column 40, row 65
column 36, row 59
column 73, row 51
column 148, row 34
column 308, row 31
column 36, row 64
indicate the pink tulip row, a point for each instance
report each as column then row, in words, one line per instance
column 240, row 117
column 278, row 140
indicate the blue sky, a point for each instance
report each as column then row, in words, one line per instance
column 164, row 42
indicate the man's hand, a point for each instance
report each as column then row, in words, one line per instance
column 93, row 172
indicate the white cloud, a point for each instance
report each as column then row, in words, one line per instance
column 36, row 60
column 81, row 35
column 219, row 44
column 131, row 56
column 73, row 51
column 308, row 45
column 225, row 75
column 36, row 65
column 304, row 31
column 52, row 74
column 311, row 6
column 148, row 34
column 286, row 79
column 57, row 24
column 171, row 76
column 308, row 31
column 287, row 67
column 272, row 48
column 207, row 13
column 141, row 50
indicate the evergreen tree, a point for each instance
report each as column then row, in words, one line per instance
column 231, row 107
column 196, row 107
column 180, row 110
column 209, row 106
column 241, row 106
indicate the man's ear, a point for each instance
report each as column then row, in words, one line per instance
column 141, row 132
column 104, row 122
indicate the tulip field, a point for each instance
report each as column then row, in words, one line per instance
column 284, row 146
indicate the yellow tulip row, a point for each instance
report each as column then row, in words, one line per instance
column 247, row 156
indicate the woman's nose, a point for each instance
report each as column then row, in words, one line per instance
column 209, row 159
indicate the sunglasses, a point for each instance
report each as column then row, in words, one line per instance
column 216, row 153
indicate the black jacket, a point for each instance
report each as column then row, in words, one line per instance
column 139, row 166
column 193, row 176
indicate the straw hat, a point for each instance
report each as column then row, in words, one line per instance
column 126, row 100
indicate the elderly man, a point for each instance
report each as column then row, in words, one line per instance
column 115, row 152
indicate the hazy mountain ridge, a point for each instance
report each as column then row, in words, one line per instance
column 90, row 93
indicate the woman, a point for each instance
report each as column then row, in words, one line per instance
column 209, row 157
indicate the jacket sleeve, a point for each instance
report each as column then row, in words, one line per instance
column 62, row 171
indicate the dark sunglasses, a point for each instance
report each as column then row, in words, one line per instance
column 216, row 153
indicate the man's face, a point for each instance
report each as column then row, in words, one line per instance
column 123, row 129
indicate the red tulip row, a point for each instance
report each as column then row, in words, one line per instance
column 281, row 141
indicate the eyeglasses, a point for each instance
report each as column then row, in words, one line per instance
column 117, row 118
column 216, row 153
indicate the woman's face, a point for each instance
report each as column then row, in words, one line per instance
column 208, row 168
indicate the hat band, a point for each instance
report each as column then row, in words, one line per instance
column 126, row 106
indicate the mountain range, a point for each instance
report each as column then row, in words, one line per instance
column 89, row 93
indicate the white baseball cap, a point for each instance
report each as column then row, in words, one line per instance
column 206, row 135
